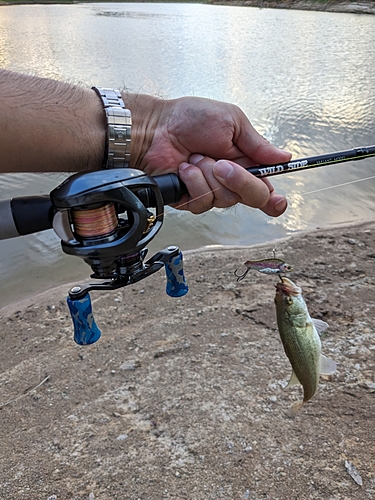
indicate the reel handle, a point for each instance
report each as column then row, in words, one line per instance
column 86, row 330
column 176, row 282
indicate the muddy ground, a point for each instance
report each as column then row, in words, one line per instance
column 183, row 398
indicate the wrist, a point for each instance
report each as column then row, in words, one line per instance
column 147, row 112
column 94, row 123
column 49, row 126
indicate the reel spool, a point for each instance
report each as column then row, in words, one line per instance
column 94, row 222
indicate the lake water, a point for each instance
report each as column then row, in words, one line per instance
column 305, row 79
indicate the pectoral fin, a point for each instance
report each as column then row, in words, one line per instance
column 293, row 380
column 327, row 366
column 321, row 326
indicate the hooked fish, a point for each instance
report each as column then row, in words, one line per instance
column 300, row 337
column 265, row 266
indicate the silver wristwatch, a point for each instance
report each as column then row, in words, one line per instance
column 119, row 125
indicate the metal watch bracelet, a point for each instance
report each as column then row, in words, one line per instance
column 119, row 124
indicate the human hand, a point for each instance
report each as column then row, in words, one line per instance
column 166, row 134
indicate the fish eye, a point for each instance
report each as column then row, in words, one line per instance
column 289, row 300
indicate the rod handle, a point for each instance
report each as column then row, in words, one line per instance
column 25, row 215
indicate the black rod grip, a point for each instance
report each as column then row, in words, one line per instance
column 32, row 214
column 171, row 187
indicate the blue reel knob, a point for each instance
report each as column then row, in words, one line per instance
column 86, row 330
column 176, row 282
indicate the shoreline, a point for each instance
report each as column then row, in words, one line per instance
column 312, row 5
column 58, row 293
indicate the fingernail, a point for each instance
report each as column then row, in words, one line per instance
column 280, row 205
column 195, row 158
column 183, row 166
column 222, row 169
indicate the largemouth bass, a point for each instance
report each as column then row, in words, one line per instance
column 300, row 337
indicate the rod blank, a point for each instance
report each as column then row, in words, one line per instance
column 313, row 162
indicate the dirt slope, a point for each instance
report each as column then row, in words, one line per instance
column 183, row 398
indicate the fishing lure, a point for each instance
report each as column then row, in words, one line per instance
column 265, row 266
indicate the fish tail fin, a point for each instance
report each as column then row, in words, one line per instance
column 294, row 409
column 327, row 366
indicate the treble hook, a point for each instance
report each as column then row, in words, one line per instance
column 241, row 276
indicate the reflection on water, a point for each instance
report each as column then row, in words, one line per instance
column 303, row 90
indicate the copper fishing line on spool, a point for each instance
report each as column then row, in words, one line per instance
column 95, row 222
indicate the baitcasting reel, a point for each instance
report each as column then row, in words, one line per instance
column 104, row 217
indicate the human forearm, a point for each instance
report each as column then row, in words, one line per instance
column 49, row 126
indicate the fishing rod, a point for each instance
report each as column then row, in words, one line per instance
column 313, row 162
column 30, row 214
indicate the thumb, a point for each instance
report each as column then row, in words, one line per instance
column 251, row 190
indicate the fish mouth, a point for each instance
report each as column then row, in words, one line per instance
column 287, row 287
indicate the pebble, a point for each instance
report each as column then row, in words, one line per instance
column 121, row 437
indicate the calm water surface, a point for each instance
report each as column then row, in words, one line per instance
column 305, row 79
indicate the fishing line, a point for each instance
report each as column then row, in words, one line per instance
column 301, row 194
column 338, row 185
column 193, row 199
